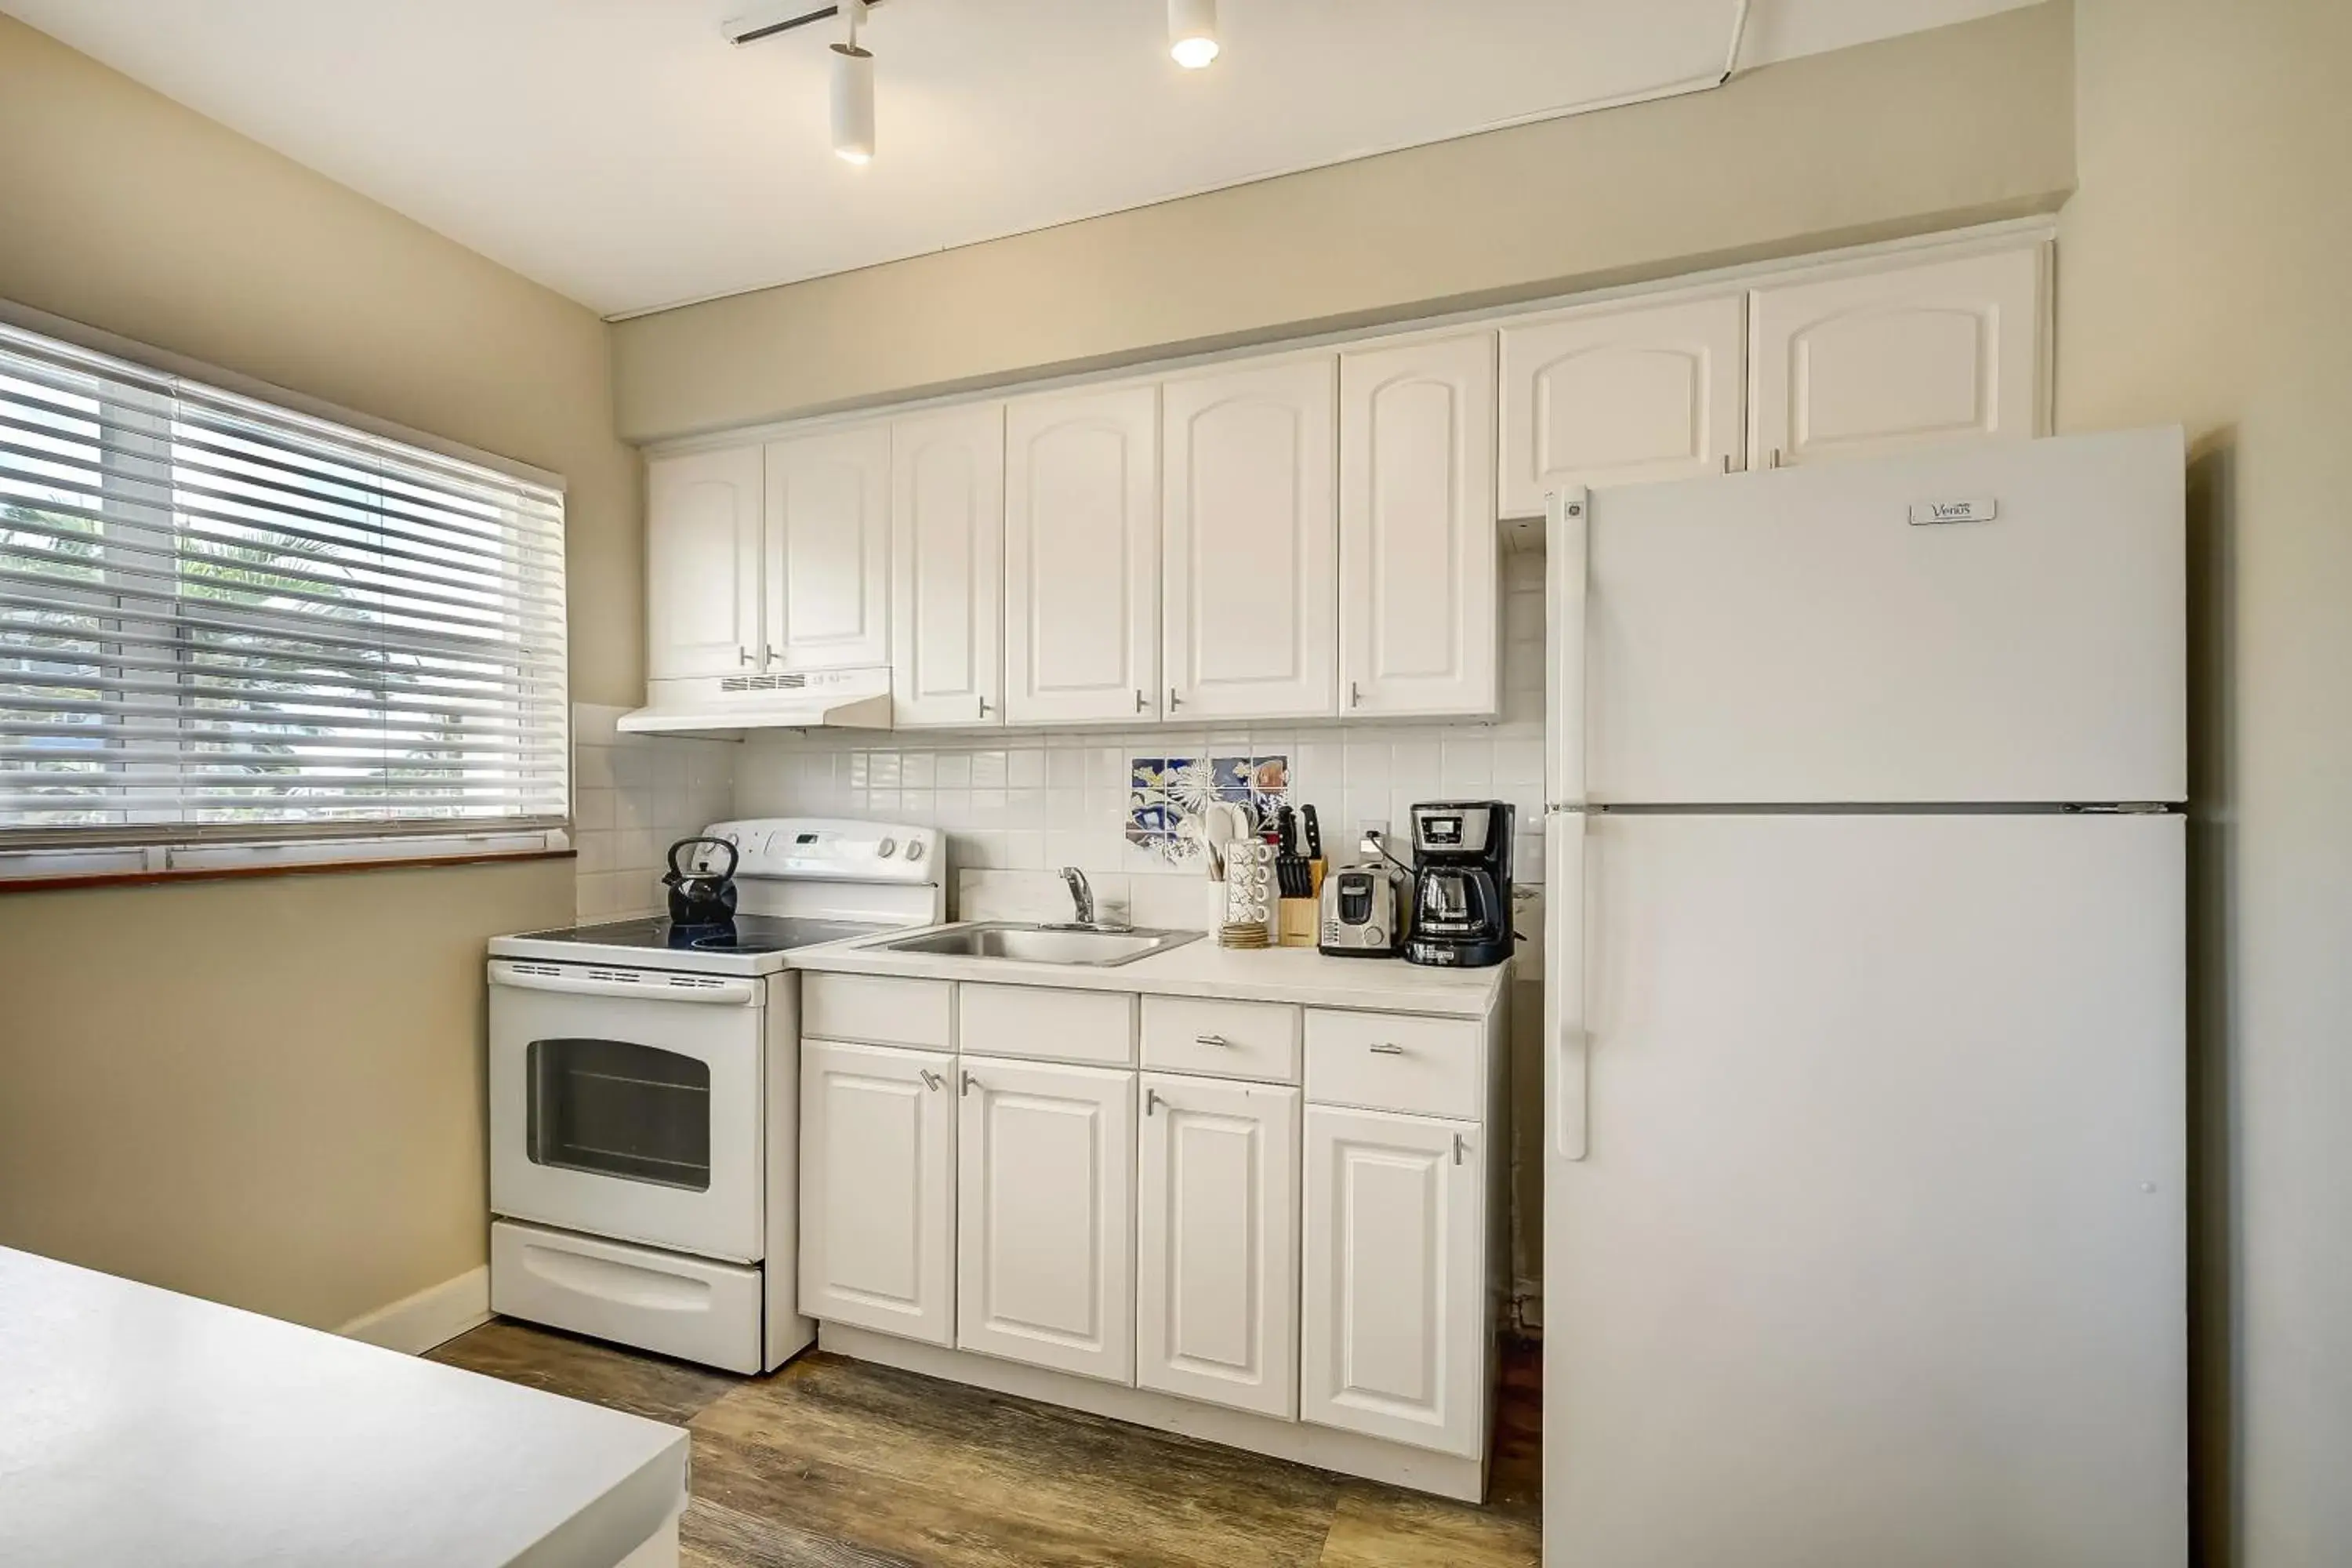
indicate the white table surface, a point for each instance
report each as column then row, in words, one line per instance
column 1200, row 968
column 140, row 1427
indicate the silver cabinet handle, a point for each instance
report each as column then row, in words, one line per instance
column 1775, row 457
column 1150, row 1100
column 1174, row 701
column 1139, row 700
column 775, row 655
column 969, row 1082
column 932, row 1081
column 1210, row 1040
column 1388, row 1048
column 1355, row 695
column 1458, row 1148
column 984, row 707
column 743, row 653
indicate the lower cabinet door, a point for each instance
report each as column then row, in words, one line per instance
column 1046, row 1231
column 1216, row 1267
column 1394, row 1340
column 878, row 1189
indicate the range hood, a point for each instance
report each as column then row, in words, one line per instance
column 726, row 705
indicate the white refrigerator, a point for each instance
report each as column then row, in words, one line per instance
column 1864, row 1226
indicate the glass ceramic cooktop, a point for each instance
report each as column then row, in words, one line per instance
column 745, row 933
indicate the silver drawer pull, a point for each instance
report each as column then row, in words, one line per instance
column 1388, row 1048
column 1151, row 1101
column 932, row 1081
column 968, row 1082
column 1210, row 1040
column 1457, row 1148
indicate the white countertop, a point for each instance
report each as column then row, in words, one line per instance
column 1200, row 968
column 138, row 1425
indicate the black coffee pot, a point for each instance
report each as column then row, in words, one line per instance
column 700, row 897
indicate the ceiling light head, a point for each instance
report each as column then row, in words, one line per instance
column 853, row 103
column 1192, row 32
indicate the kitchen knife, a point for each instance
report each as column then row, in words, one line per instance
column 1314, row 833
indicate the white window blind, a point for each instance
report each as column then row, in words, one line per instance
column 221, row 620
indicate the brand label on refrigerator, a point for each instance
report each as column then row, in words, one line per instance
column 1967, row 508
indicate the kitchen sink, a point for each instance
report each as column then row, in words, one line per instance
column 1096, row 947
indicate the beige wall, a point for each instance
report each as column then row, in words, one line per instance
column 2204, row 274
column 265, row 1091
column 270, row 1091
column 1917, row 133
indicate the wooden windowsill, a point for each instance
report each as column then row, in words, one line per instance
column 298, row 869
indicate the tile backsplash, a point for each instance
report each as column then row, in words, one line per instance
column 1016, row 801
column 633, row 797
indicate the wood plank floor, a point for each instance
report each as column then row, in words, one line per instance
column 840, row 1464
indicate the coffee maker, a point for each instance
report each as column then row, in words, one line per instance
column 1461, row 884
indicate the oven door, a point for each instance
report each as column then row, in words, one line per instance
column 626, row 1103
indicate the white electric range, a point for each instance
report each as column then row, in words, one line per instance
column 644, row 1087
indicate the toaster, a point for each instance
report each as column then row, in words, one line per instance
column 1364, row 913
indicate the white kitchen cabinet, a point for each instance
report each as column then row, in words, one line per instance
column 877, row 1188
column 1867, row 362
column 702, row 562
column 1393, row 1340
column 1249, row 542
column 1616, row 394
column 827, row 549
column 1420, row 599
column 1046, row 1215
column 947, row 568
column 1082, row 557
column 1217, row 1269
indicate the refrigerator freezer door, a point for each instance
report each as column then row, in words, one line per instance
column 1878, row 1255
column 1796, row 636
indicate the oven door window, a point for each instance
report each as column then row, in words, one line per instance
column 614, row 1108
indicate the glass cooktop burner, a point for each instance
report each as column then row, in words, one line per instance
column 745, row 933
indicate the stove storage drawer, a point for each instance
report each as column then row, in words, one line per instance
column 667, row 1302
column 879, row 1010
column 1386, row 1062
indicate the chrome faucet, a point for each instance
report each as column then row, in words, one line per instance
column 1081, row 894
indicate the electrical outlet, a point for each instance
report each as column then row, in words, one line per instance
column 1370, row 832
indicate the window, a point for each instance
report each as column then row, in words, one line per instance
column 227, row 623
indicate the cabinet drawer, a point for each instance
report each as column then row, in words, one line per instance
column 876, row 1010
column 1223, row 1039
column 1054, row 1026
column 1423, row 1067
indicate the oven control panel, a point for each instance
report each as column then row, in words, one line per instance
column 834, row 849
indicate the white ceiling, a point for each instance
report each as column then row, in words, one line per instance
column 623, row 154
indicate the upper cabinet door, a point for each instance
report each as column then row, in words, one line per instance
column 1249, row 543
column 702, row 562
column 947, row 568
column 1419, row 595
column 1616, row 394
column 1870, row 363
column 1082, row 557
column 828, row 548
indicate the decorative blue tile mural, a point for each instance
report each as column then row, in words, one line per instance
column 1166, row 796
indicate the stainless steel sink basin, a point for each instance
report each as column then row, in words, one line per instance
column 1092, row 946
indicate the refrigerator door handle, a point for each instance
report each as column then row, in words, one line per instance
column 1567, row 526
column 1564, row 985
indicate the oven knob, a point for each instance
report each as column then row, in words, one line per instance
column 914, row 850
column 888, row 847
